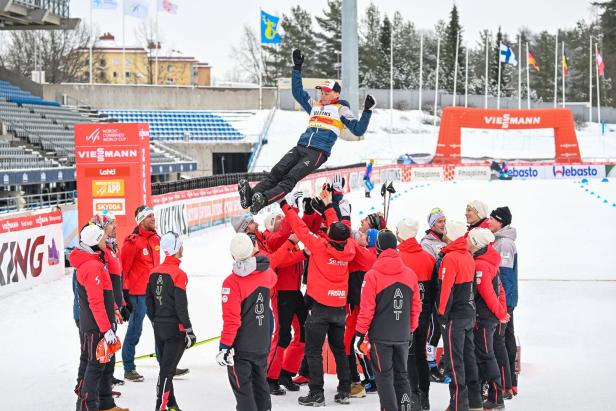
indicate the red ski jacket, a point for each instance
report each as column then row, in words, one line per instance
column 246, row 308
column 456, row 279
column 390, row 303
column 95, row 292
column 490, row 293
column 277, row 238
column 166, row 294
column 328, row 266
column 422, row 263
column 114, row 267
column 140, row 253
column 363, row 261
column 291, row 268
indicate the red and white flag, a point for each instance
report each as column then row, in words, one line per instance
column 167, row 6
column 600, row 64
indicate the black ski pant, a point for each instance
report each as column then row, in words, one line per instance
column 418, row 370
column 434, row 331
column 292, row 167
column 326, row 321
column 95, row 393
column 171, row 343
column 512, row 348
column 391, row 374
column 364, row 362
column 502, row 358
column 461, row 364
column 486, row 359
column 290, row 304
column 83, row 362
column 249, row 383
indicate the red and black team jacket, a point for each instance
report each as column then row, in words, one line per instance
column 140, row 253
column 390, row 302
column 363, row 261
column 114, row 267
column 456, row 280
column 422, row 263
column 165, row 296
column 490, row 299
column 246, row 306
column 291, row 267
column 328, row 267
column 94, row 289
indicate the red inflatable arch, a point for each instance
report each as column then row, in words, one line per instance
column 454, row 118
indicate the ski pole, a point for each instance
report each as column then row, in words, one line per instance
column 153, row 355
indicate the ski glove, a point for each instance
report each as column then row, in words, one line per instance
column 359, row 339
column 110, row 337
column 369, row 103
column 125, row 312
column 318, row 205
column 307, row 206
column 294, row 198
column 191, row 338
column 225, row 356
column 298, row 59
column 129, row 306
column 345, row 208
column 338, row 182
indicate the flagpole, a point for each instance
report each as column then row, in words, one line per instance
column 590, row 79
column 391, row 77
column 563, row 64
column 556, row 70
column 156, row 45
column 527, row 78
column 485, row 99
column 421, row 41
column 466, row 80
column 598, row 88
column 499, row 77
column 91, row 39
column 455, row 69
column 259, row 66
column 438, row 59
column 520, row 72
column 123, row 43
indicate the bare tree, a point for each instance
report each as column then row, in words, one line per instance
column 248, row 56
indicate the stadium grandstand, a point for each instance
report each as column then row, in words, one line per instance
column 35, row 15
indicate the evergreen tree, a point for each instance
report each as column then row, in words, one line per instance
column 384, row 54
column 329, row 40
column 448, row 52
column 608, row 41
column 370, row 48
column 406, row 54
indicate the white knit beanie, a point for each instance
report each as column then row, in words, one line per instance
column 454, row 229
column 241, row 247
column 270, row 220
column 480, row 208
column 91, row 235
column 407, row 228
column 170, row 243
column 481, row 237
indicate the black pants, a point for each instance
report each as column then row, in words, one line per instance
column 419, row 373
column 83, row 362
column 290, row 304
column 292, row 167
column 512, row 348
column 364, row 362
column 171, row 343
column 249, row 383
column 95, row 393
column 391, row 375
column 486, row 359
column 326, row 321
column 435, row 329
column 502, row 358
column 461, row 365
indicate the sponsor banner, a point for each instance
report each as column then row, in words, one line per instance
column 427, row 174
column 389, row 174
column 472, row 173
column 112, row 162
column 172, row 218
column 38, row 176
column 31, row 251
column 576, row 171
column 527, row 172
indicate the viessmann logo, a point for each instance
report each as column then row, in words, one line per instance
column 100, row 154
column 507, row 119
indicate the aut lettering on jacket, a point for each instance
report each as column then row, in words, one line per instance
column 260, row 309
column 398, row 303
column 159, row 289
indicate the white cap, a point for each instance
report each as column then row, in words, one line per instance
column 270, row 220
column 481, row 237
column 407, row 228
column 454, row 229
column 241, row 247
column 480, row 208
column 91, row 235
column 170, row 243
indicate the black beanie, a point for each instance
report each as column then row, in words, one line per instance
column 385, row 240
column 502, row 214
column 339, row 231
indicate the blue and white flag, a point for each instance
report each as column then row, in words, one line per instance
column 507, row 55
column 136, row 8
column 104, row 4
column 269, row 29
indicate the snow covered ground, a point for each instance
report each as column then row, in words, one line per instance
column 567, row 297
column 413, row 133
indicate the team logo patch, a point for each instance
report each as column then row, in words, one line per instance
column 145, row 251
column 226, row 291
column 225, row 298
column 157, row 248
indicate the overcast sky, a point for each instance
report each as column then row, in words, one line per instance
column 206, row 29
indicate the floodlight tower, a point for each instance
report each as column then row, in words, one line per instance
column 350, row 64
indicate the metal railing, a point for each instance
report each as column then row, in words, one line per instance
column 263, row 136
column 36, row 201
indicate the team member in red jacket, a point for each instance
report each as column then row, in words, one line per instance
column 96, row 318
column 491, row 309
column 167, row 307
column 140, row 253
column 389, row 314
column 477, row 214
column 245, row 338
column 422, row 263
column 456, row 310
column 327, row 291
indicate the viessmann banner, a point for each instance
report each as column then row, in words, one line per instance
column 112, row 162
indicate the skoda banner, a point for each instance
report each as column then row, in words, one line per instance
column 112, row 162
